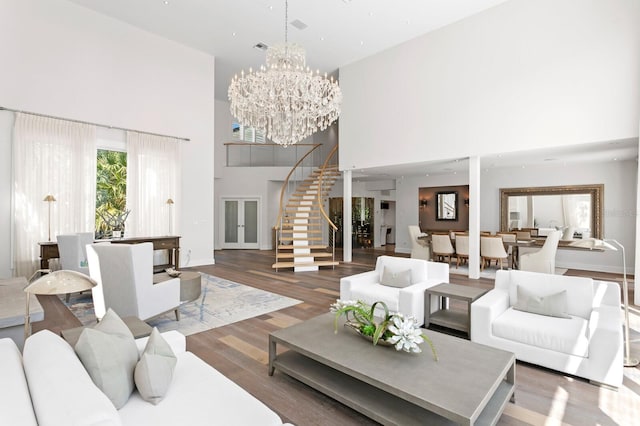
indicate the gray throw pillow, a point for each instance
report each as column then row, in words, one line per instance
column 154, row 371
column 393, row 278
column 552, row 305
column 109, row 354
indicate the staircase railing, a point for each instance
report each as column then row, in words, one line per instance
column 332, row 226
column 283, row 191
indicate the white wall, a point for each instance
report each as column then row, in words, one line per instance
column 6, row 219
column 64, row 60
column 522, row 75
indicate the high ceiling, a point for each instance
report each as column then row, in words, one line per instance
column 337, row 32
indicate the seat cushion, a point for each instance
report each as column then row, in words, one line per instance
column 565, row 335
column 372, row 293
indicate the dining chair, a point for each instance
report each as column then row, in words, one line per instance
column 72, row 249
column 492, row 248
column 419, row 248
column 441, row 247
column 462, row 248
column 509, row 237
column 523, row 235
column 543, row 260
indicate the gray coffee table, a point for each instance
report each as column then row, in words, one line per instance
column 470, row 384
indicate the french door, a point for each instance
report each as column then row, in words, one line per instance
column 240, row 222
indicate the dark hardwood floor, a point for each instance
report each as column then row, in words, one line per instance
column 239, row 351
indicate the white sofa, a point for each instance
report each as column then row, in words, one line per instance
column 588, row 344
column 55, row 389
column 407, row 300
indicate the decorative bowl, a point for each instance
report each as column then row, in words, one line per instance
column 172, row 272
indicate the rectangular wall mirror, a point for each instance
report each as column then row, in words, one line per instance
column 447, row 205
column 577, row 208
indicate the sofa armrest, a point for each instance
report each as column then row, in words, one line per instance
column 606, row 345
column 411, row 299
column 438, row 271
column 347, row 284
column 15, row 402
column 606, row 293
column 484, row 311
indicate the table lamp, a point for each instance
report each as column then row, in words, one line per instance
column 170, row 204
column 58, row 282
column 49, row 199
column 593, row 243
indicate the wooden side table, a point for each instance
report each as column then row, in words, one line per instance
column 138, row 328
column 448, row 318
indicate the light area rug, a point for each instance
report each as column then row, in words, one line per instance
column 222, row 302
column 489, row 272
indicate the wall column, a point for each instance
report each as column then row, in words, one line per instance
column 636, row 287
column 474, row 217
column 346, row 215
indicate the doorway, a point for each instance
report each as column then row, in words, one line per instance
column 240, row 223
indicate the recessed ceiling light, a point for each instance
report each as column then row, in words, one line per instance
column 321, row 38
column 261, row 46
column 298, row 24
column 271, row 7
column 361, row 43
column 615, row 159
column 166, row 2
column 370, row 13
column 233, row 34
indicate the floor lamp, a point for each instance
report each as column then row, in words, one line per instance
column 58, row 282
column 593, row 243
column 49, row 199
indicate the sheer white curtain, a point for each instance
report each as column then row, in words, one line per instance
column 153, row 172
column 51, row 157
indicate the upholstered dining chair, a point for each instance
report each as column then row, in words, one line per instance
column 462, row 248
column 441, row 247
column 124, row 273
column 72, row 249
column 523, row 235
column 509, row 237
column 492, row 248
column 543, row 260
column 419, row 248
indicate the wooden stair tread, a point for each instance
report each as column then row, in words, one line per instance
column 309, row 247
column 294, row 264
column 300, row 231
column 301, row 239
column 312, row 254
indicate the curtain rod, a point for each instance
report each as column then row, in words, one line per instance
column 92, row 124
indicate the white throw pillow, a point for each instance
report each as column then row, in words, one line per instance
column 552, row 305
column 154, row 371
column 109, row 354
column 398, row 279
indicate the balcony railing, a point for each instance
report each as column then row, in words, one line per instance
column 247, row 154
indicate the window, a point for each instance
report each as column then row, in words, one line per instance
column 111, row 192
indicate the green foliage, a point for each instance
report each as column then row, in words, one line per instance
column 111, row 189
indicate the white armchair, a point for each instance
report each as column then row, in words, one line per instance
column 124, row 273
column 419, row 248
column 543, row 260
column 579, row 330
column 407, row 300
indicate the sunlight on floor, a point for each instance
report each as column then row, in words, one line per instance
column 558, row 406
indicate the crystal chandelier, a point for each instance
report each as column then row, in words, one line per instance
column 285, row 99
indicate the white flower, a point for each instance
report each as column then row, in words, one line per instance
column 406, row 334
column 340, row 304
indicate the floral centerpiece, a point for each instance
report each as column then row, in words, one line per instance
column 393, row 328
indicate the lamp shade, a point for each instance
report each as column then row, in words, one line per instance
column 592, row 243
column 49, row 198
column 169, row 201
column 61, row 282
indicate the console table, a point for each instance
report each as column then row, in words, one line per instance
column 49, row 250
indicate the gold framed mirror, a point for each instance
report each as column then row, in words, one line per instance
column 546, row 208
